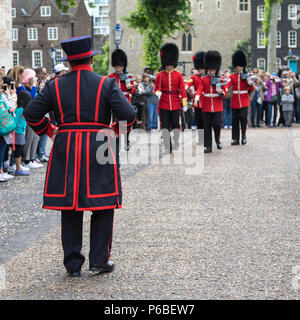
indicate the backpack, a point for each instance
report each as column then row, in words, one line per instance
column 7, row 121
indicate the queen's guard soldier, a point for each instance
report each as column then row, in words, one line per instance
column 242, row 85
column 198, row 61
column 213, row 88
column 124, row 80
column 170, row 88
column 77, row 180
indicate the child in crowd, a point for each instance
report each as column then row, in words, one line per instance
column 23, row 99
column 287, row 102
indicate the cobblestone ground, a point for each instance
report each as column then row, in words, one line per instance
column 230, row 233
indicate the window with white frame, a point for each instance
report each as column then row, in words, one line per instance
column 45, row 11
column 279, row 13
column 201, row 6
column 14, row 34
column 278, row 40
column 15, row 58
column 292, row 11
column 59, row 54
column 278, row 63
column 37, row 58
column 293, row 39
column 13, row 13
column 260, row 12
column 32, row 34
column 261, row 36
column 53, row 33
column 244, row 5
column 261, row 63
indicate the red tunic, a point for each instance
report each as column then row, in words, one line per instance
column 122, row 86
column 240, row 94
column 171, row 85
column 195, row 81
column 212, row 101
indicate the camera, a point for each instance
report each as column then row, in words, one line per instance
column 4, row 87
column 125, row 76
column 12, row 85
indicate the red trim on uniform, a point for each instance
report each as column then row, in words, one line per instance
column 98, row 98
column 78, row 97
column 43, row 130
column 58, row 101
column 103, row 195
column 85, row 67
column 109, row 243
column 86, row 123
column 78, row 170
column 48, row 172
column 80, row 55
column 36, row 123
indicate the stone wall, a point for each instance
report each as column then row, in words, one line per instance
column 213, row 29
column 5, row 34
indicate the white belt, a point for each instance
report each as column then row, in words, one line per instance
column 240, row 92
column 211, row 95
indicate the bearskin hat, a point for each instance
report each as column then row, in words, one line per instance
column 212, row 60
column 169, row 55
column 198, row 60
column 239, row 58
column 119, row 58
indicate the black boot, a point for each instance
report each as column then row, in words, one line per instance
column 235, row 142
column 208, row 150
column 244, row 140
column 219, row 145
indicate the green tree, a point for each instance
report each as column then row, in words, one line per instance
column 270, row 28
column 155, row 19
column 244, row 45
column 65, row 5
column 101, row 61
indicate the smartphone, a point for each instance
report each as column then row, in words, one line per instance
column 4, row 87
column 12, row 85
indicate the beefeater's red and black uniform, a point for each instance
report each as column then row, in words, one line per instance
column 74, row 179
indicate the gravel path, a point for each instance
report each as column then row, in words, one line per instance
column 230, row 233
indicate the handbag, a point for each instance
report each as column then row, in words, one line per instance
column 273, row 99
column 7, row 121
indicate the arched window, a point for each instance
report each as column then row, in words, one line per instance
column 187, row 41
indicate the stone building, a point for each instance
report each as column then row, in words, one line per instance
column 5, row 34
column 218, row 24
column 288, row 35
column 39, row 24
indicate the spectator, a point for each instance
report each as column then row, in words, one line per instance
column 16, row 73
column 297, row 96
column 287, row 101
column 29, row 82
column 138, row 98
column 227, row 112
column 256, row 98
column 151, row 101
column 273, row 85
column 284, row 84
column 23, row 99
column 60, row 70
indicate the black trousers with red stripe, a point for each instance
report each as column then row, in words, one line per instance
column 101, row 230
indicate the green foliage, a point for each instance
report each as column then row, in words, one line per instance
column 267, row 17
column 101, row 61
column 65, row 5
column 244, row 45
column 155, row 19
